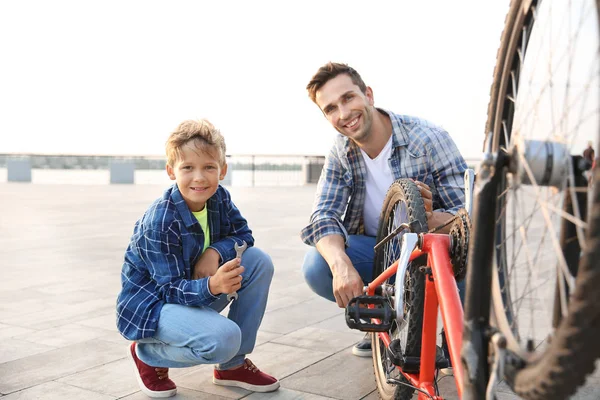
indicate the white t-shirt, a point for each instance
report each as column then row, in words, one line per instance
column 379, row 179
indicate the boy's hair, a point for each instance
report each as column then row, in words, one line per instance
column 207, row 138
column 330, row 71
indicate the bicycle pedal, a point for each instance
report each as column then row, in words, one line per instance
column 362, row 309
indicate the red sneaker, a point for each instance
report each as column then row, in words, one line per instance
column 153, row 381
column 248, row 377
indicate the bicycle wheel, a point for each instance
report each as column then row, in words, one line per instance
column 543, row 110
column 403, row 203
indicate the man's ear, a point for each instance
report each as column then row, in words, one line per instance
column 369, row 95
column 170, row 172
column 223, row 172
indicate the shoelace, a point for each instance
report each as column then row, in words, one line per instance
column 250, row 365
column 163, row 373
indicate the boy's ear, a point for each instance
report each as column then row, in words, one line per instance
column 170, row 172
column 223, row 172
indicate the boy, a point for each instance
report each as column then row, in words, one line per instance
column 179, row 267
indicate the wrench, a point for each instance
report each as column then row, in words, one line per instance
column 239, row 251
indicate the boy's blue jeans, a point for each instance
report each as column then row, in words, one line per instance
column 360, row 251
column 187, row 336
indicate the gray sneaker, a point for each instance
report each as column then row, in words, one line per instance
column 363, row 348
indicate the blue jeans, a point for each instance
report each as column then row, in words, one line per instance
column 187, row 336
column 359, row 249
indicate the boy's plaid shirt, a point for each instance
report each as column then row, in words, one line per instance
column 420, row 150
column 165, row 245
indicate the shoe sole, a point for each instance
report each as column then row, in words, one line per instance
column 254, row 388
column 362, row 353
column 150, row 393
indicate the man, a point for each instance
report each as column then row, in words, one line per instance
column 374, row 148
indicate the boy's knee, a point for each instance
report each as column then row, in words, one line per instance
column 262, row 261
column 222, row 345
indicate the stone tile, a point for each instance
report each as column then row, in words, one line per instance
column 44, row 367
column 447, row 386
column 285, row 394
column 337, row 323
column 56, row 391
column 274, row 359
column 264, row 337
column 289, row 319
column 338, row 376
column 281, row 360
column 374, row 395
column 28, row 306
column 116, row 379
column 107, row 321
column 8, row 331
column 277, row 301
column 114, row 337
column 62, row 336
column 201, row 380
column 52, row 317
column 14, row 349
column 300, row 290
column 317, row 339
column 182, row 394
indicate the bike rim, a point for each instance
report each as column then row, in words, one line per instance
column 391, row 253
column 555, row 74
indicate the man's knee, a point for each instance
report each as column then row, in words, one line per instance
column 314, row 267
column 317, row 274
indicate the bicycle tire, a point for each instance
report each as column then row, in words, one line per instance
column 562, row 366
column 401, row 191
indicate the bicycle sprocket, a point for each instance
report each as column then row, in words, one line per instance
column 460, row 231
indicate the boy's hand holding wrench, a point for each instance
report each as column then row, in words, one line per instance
column 228, row 277
column 239, row 251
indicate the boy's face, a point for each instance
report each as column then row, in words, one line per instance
column 346, row 107
column 197, row 174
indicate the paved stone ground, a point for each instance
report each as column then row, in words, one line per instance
column 60, row 257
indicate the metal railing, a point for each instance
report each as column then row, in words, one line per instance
column 243, row 170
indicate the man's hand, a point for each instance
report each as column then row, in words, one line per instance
column 227, row 279
column 207, row 264
column 347, row 283
column 434, row 218
column 427, row 197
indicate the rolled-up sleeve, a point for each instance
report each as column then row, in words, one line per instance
column 448, row 169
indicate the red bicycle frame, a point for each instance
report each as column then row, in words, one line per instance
column 440, row 290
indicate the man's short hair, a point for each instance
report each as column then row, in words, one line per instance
column 330, row 71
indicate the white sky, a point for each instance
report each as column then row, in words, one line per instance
column 115, row 77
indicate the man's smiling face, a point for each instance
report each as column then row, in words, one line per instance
column 347, row 108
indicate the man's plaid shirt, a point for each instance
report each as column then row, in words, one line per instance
column 420, row 150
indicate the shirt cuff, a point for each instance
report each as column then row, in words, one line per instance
column 208, row 289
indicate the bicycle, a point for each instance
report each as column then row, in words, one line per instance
column 405, row 342
column 543, row 107
column 517, row 270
